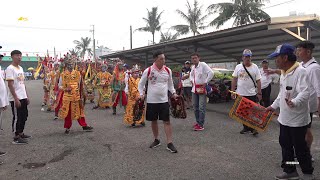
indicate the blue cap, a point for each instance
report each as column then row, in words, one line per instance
column 247, row 52
column 125, row 65
column 285, row 49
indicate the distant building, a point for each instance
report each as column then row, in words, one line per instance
column 26, row 62
column 100, row 51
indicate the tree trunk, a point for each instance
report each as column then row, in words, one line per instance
column 152, row 38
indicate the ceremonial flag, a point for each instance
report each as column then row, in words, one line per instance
column 250, row 114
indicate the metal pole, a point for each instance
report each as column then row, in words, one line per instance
column 94, row 44
column 54, row 52
column 130, row 37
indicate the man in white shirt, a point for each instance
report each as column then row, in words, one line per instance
column 304, row 54
column 247, row 80
column 186, row 83
column 158, row 81
column 126, row 78
column 201, row 74
column 294, row 115
column 18, row 96
column 266, row 81
column 4, row 102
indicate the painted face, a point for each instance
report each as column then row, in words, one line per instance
column 70, row 67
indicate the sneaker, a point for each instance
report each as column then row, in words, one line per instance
column 19, row 141
column 308, row 177
column 1, row 162
column 67, row 131
column 287, row 176
column 24, row 136
column 195, row 125
column 87, row 128
column 312, row 159
column 155, row 143
column 254, row 132
column 143, row 124
column 244, row 131
column 56, row 117
column 198, row 128
column 2, row 153
column 171, row 148
column 133, row 125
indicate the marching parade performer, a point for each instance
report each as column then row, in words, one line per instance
column 88, row 85
column 46, row 88
column 52, row 84
column 118, row 86
column 58, row 92
column 72, row 105
column 102, row 82
column 132, row 117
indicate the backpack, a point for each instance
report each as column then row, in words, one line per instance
column 148, row 74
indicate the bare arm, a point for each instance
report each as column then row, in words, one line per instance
column 234, row 83
column 12, row 91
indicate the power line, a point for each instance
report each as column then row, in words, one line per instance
column 42, row 28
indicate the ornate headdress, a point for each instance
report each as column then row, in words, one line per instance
column 135, row 68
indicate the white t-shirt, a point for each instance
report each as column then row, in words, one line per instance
column 267, row 79
column 159, row 83
column 3, row 91
column 17, row 75
column 186, row 82
column 245, row 86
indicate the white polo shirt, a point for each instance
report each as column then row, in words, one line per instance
column 17, row 75
column 313, row 71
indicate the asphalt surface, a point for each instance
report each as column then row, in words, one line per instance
column 116, row 151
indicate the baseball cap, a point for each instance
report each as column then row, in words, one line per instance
column 286, row 49
column 187, row 62
column 125, row 65
column 247, row 52
column 265, row 61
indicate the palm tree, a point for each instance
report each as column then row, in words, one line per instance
column 74, row 52
column 153, row 22
column 168, row 36
column 244, row 12
column 83, row 46
column 194, row 19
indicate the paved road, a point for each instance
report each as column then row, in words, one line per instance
column 115, row 151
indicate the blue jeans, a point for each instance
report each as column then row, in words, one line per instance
column 199, row 102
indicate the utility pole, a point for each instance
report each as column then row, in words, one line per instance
column 54, row 53
column 130, row 37
column 94, row 43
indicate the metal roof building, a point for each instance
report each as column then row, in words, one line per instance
column 227, row 45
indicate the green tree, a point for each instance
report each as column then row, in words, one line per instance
column 152, row 22
column 194, row 19
column 82, row 46
column 243, row 11
column 74, row 52
column 168, row 36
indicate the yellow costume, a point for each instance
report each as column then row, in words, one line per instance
column 71, row 99
column 102, row 81
column 133, row 94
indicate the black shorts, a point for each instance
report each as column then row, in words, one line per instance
column 187, row 91
column 311, row 116
column 158, row 111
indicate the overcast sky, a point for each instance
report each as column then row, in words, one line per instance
column 112, row 19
